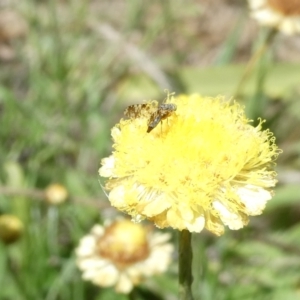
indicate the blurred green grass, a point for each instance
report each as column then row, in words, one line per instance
column 79, row 64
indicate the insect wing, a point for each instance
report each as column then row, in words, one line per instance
column 155, row 118
column 140, row 110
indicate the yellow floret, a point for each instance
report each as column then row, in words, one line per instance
column 196, row 169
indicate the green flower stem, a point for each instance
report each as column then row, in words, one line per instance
column 132, row 295
column 254, row 59
column 185, row 265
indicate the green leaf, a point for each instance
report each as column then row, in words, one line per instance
column 284, row 196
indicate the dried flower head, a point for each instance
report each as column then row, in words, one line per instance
column 11, row 228
column 281, row 14
column 203, row 166
column 56, row 194
column 122, row 255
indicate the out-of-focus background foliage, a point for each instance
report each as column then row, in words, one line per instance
column 67, row 71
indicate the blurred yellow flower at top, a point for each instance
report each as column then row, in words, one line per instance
column 202, row 166
column 281, row 14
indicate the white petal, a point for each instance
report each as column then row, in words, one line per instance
column 86, row 246
column 98, row 230
column 159, row 238
column 297, row 24
column 232, row 220
column 124, row 284
column 255, row 4
column 254, row 198
column 174, row 219
column 267, row 17
column 115, row 133
column 158, row 261
column 107, row 168
column 92, row 264
column 290, row 26
column 137, row 218
column 107, row 276
column 196, row 225
column 186, row 212
column 116, row 196
column 155, row 206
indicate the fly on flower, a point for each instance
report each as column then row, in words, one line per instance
column 152, row 111
column 163, row 111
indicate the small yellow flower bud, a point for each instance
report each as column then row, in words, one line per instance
column 56, row 194
column 11, row 228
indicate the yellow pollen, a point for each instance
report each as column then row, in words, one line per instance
column 286, row 7
column 124, row 243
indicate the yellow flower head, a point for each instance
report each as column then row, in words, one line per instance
column 203, row 165
column 122, row 254
column 281, row 14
